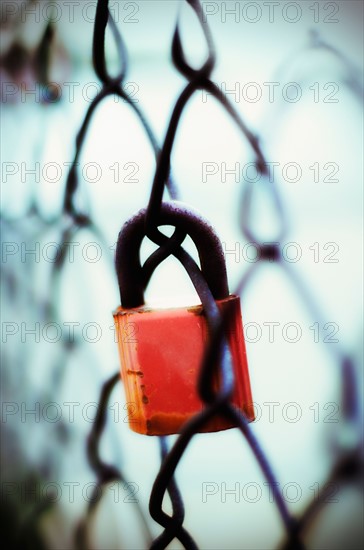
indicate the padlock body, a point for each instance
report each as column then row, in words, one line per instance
column 161, row 353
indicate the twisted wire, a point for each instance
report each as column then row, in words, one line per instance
column 347, row 468
column 218, row 403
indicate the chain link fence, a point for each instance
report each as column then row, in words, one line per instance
column 269, row 148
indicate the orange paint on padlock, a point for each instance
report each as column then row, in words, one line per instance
column 161, row 351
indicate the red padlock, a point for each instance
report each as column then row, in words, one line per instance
column 161, row 350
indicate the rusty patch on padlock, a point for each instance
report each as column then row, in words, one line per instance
column 196, row 310
column 161, row 422
column 135, row 372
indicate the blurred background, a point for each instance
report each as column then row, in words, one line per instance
column 294, row 72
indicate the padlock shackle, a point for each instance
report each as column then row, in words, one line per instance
column 209, row 248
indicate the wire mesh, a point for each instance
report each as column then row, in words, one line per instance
column 20, row 290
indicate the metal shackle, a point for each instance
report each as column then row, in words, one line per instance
column 127, row 259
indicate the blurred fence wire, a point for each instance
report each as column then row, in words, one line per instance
column 19, row 290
